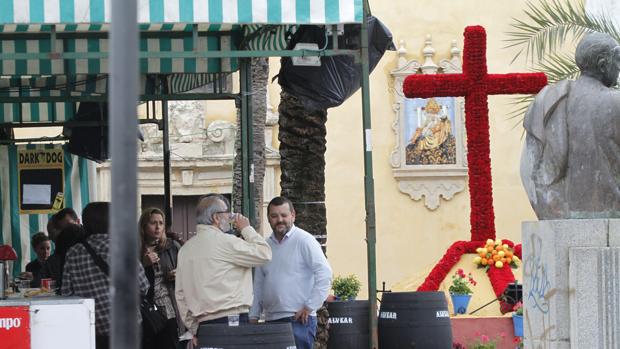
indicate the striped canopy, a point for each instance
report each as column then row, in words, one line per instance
column 185, row 11
column 79, row 189
column 88, row 85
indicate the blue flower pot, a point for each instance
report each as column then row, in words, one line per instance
column 517, row 322
column 460, row 303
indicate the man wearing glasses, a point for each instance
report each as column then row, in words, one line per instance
column 214, row 271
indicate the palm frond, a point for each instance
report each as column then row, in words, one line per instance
column 550, row 24
column 558, row 67
column 521, row 104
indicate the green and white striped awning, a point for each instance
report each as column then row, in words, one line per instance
column 46, row 66
column 86, row 85
column 79, row 189
column 68, row 37
column 185, row 11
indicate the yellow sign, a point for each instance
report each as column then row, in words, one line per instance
column 40, row 158
column 41, row 180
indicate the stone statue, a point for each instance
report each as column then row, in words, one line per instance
column 570, row 166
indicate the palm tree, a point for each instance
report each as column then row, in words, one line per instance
column 546, row 33
column 302, row 160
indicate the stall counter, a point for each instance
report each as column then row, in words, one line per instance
column 51, row 322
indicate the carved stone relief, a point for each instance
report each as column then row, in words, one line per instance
column 201, row 157
column 429, row 156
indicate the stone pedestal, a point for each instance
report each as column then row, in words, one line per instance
column 595, row 297
column 558, row 299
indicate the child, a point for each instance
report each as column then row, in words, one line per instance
column 42, row 247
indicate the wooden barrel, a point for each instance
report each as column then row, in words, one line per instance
column 414, row 320
column 259, row 336
column 348, row 324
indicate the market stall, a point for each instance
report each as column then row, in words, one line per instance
column 56, row 54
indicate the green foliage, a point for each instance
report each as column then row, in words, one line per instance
column 346, row 287
column 549, row 27
column 553, row 23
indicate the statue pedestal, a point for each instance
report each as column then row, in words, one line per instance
column 571, row 291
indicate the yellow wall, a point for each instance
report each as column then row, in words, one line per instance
column 411, row 238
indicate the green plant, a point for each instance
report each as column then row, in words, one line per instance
column 518, row 308
column 346, row 287
column 461, row 282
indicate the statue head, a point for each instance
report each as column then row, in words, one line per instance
column 432, row 106
column 598, row 56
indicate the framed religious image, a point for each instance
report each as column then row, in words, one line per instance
column 429, row 131
column 429, row 156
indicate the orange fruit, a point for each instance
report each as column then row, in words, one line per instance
column 496, row 258
column 508, row 254
column 508, row 260
column 494, row 252
column 484, row 261
column 499, row 248
column 490, row 248
column 503, row 260
column 482, row 254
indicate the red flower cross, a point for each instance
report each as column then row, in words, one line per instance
column 475, row 84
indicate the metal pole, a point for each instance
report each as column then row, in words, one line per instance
column 166, row 140
column 123, row 134
column 369, row 188
column 247, row 153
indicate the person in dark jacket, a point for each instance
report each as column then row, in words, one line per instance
column 159, row 258
column 69, row 236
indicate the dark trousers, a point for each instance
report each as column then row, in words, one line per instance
column 168, row 338
column 102, row 342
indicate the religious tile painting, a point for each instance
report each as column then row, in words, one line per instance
column 429, row 132
column 429, row 155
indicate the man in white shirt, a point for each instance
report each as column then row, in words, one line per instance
column 214, row 270
column 297, row 281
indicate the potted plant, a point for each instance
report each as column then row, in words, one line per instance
column 346, row 287
column 348, row 318
column 460, row 291
column 517, row 319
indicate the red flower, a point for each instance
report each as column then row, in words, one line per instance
column 517, row 250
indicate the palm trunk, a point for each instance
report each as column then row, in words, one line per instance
column 260, row 78
column 302, row 152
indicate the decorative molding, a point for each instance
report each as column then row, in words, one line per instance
column 452, row 65
column 431, row 186
column 432, row 181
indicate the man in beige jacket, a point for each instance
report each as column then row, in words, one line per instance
column 214, row 270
